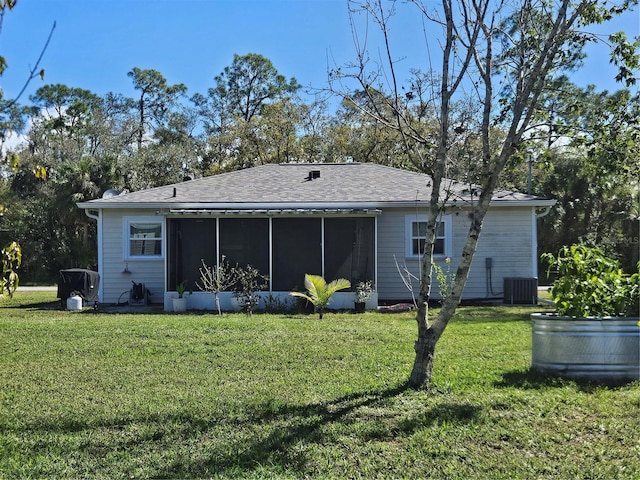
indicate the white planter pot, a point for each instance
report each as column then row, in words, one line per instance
column 605, row 350
column 179, row 305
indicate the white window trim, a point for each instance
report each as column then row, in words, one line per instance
column 126, row 244
column 448, row 235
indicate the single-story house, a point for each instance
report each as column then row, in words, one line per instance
column 358, row 221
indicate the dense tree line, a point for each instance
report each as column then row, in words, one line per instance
column 78, row 144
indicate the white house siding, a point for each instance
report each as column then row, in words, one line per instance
column 115, row 284
column 391, row 241
column 506, row 238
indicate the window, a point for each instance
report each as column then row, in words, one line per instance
column 416, row 231
column 143, row 239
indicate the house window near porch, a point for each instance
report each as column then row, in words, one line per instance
column 416, row 231
column 143, row 239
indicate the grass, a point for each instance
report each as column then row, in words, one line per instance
column 86, row 394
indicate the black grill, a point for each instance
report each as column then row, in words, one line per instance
column 82, row 282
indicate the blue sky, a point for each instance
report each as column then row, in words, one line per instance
column 96, row 42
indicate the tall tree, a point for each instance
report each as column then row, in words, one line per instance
column 590, row 164
column 250, row 83
column 66, row 119
column 155, row 101
column 510, row 50
column 232, row 112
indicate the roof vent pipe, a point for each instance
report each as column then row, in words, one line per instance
column 174, row 192
column 313, row 174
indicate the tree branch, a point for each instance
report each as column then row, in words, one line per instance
column 32, row 73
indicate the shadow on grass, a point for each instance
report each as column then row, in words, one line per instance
column 495, row 313
column 265, row 436
column 291, row 432
column 529, row 379
column 532, row 379
column 50, row 305
column 90, row 309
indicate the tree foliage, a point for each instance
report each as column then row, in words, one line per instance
column 251, row 115
column 155, row 102
column 589, row 164
column 10, row 261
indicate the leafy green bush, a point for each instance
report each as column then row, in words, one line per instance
column 249, row 280
column 11, row 258
column 590, row 284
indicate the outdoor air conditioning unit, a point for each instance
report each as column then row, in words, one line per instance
column 520, row 291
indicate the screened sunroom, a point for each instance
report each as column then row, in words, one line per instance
column 280, row 246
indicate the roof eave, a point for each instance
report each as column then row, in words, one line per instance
column 97, row 204
column 534, row 202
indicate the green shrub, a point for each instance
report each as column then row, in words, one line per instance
column 249, row 280
column 11, row 258
column 590, row 284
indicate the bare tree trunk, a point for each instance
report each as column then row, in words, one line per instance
column 217, row 298
column 141, row 124
column 425, row 348
column 428, row 337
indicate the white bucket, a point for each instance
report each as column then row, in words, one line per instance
column 74, row 303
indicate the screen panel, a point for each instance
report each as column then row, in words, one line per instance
column 297, row 249
column 245, row 241
column 349, row 249
column 190, row 241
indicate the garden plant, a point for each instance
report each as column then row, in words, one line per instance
column 589, row 284
column 319, row 293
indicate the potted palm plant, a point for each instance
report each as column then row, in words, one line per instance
column 319, row 292
column 179, row 302
column 594, row 333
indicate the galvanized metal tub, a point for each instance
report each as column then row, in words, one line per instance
column 604, row 350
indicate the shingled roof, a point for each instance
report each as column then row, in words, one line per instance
column 304, row 184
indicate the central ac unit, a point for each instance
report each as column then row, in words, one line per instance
column 520, row 291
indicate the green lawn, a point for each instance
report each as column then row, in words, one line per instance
column 95, row 395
